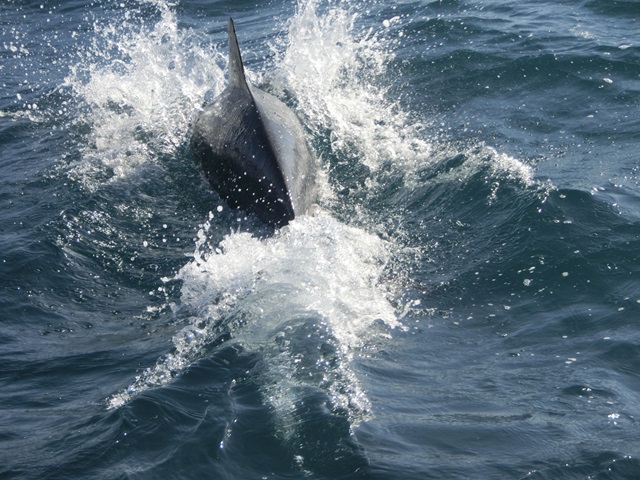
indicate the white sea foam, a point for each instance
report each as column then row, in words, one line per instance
column 498, row 165
column 138, row 87
column 334, row 73
column 260, row 292
column 316, row 268
column 338, row 73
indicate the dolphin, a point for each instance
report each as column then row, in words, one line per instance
column 252, row 149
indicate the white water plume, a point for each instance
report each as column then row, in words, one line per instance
column 338, row 72
column 334, row 73
column 138, row 87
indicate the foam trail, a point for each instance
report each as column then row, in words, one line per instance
column 315, row 273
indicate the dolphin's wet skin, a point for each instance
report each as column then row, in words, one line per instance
column 252, row 149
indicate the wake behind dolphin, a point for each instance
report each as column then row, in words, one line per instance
column 252, row 149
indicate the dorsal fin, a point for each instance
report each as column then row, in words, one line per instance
column 236, row 68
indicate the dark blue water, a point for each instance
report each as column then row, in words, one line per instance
column 464, row 303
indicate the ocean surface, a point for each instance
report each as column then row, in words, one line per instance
column 464, row 303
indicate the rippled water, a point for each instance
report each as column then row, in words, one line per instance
column 463, row 303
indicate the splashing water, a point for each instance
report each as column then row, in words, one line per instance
column 336, row 88
column 259, row 290
column 139, row 87
column 337, row 77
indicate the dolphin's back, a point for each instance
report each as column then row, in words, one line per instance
column 287, row 136
column 252, row 149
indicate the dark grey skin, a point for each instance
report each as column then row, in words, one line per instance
column 252, row 149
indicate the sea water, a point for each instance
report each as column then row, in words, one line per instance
column 462, row 303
